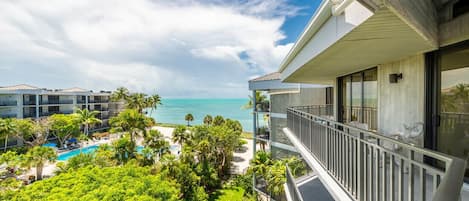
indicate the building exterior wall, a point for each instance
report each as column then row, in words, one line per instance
column 279, row 104
column 403, row 102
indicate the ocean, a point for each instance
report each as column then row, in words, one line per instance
column 174, row 110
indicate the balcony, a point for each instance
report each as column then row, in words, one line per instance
column 98, row 101
column 29, row 102
column 55, row 102
column 29, row 115
column 8, row 103
column 363, row 165
column 263, row 106
column 80, row 101
column 4, row 116
column 263, row 133
column 45, row 114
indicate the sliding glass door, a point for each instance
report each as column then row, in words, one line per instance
column 358, row 99
column 453, row 131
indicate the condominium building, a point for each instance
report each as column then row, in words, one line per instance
column 25, row 101
column 270, row 116
column 399, row 127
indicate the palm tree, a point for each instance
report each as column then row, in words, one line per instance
column 7, row 128
column 208, row 120
column 180, row 135
column 131, row 121
column 218, row 120
column 189, row 118
column 87, row 118
column 155, row 140
column 38, row 157
column 260, row 98
column 152, row 102
column 120, row 94
column 137, row 101
column 461, row 92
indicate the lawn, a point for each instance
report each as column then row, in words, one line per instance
column 246, row 135
column 229, row 194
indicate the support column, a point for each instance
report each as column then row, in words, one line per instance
column 19, row 106
column 37, row 106
column 254, row 129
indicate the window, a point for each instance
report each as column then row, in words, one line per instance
column 358, row 98
column 453, row 131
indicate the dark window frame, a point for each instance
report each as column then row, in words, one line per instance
column 433, row 93
column 340, row 103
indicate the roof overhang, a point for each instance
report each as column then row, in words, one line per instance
column 357, row 39
column 266, row 85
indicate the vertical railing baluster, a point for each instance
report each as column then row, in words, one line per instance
column 360, row 175
column 401, row 180
column 370, row 173
column 411, row 176
column 436, row 182
column 377, row 182
column 383, row 177
column 422, row 184
column 391, row 177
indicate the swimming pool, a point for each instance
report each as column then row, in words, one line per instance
column 90, row 149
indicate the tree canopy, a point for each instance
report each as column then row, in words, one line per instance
column 128, row 182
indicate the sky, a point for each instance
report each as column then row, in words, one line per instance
column 178, row 48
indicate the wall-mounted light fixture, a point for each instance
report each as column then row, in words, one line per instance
column 395, row 77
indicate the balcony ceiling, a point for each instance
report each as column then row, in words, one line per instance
column 381, row 38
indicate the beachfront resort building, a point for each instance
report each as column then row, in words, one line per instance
column 25, row 101
column 399, row 128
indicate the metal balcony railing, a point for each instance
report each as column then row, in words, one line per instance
column 8, row 103
column 53, row 102
column 8, row 116
column 292, row 186
column 29, row 115
column 369, row 166
column 30, row 102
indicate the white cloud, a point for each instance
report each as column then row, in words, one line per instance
column 180, row 48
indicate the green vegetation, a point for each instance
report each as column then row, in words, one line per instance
column 231, row 194
column 132, row 122
column 129, row 182
column 208, row 120
column 7, row 129
column 118, row 171
column 87, row 119
column 37, row 157
column 136, row 101
column 261, row 101
column 170, row 125
column 189, row 118
column 246, row 135
column 64, row 127
column 272, row 172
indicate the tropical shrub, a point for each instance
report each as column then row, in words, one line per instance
column 93, row 183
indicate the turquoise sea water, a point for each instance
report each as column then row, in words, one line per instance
column 174, row 110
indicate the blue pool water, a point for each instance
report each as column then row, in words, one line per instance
column 67, row 155
column 174, row 110
column 91, row 149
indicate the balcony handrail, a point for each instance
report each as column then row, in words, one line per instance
column 292, row 186
column 8, row 103
column 437, row 155
column 452, row 174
